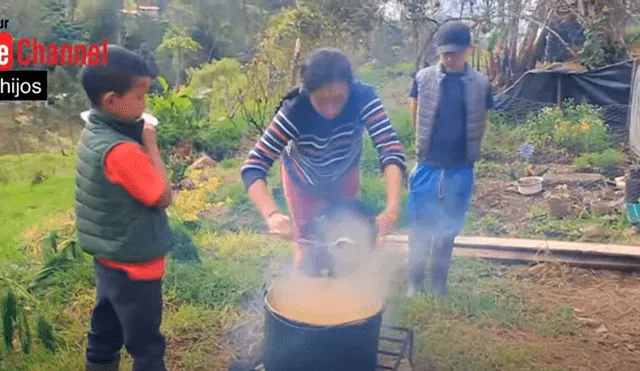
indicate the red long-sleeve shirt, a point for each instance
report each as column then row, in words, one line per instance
column 128, row 166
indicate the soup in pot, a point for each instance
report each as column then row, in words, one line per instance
column 323, row 301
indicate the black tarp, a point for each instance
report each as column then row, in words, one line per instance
column 604, row 87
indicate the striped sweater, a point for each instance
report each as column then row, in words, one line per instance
column 317, row 151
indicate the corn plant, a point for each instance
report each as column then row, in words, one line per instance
column 16, row 307
column 63, row 254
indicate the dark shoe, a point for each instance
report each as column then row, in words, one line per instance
column 113, row 366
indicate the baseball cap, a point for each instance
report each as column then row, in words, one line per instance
column 453, row 37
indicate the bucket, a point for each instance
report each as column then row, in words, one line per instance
column 633, row 212
column 292, row 345
column 530, row 185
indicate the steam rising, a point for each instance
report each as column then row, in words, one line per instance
column 361, row 278
column 361, row 281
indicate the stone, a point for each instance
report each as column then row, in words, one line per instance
column 602, row 208
column 559, row 207
column 632, row 231
column 187, row 184
column 575, row 179
column 631, row 347
column 602, row 330
column 589, row 322
column 203, row 163
column 593, row 231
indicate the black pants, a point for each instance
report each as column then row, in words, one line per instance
column 128, row 313
column 434, row 254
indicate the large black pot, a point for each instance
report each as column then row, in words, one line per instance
column 295, row 346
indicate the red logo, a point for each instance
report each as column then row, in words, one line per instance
column 30, row 51
column 6, row 51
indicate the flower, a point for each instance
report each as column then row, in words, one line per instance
column 585, row 126
column 526, row 150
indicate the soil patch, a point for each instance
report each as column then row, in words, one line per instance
column 605, row 310
column 500, row 210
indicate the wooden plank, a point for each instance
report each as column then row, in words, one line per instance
column 528, row 256
column 537, row 245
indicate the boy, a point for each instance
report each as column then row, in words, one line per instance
column 449, row 104
column 121, row 195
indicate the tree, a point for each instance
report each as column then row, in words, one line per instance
column 177, row 44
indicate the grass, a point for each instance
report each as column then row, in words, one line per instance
column 25, row 204
column 473, row 329
column 202, row 299
column 572, row 228
column 376, row 76
column 486, row 323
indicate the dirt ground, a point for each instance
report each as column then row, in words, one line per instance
column 606, row 308
column 515, row 215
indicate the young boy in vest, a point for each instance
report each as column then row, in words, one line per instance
column 449, row 104
column 122, row 191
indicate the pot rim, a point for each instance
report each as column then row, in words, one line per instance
column 270, row 308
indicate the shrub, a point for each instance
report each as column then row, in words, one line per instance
column 190, row 203
column 579, row 128
column 501, row 138
column 221, row 140
column 604, row 161
column 222, row 80
column 234, row 196
column 184, row 115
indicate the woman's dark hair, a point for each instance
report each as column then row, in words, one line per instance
column 325, row 65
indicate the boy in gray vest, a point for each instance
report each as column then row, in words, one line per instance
column 449, row 104
column 121, row 194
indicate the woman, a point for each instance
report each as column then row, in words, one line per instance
column 319, row 127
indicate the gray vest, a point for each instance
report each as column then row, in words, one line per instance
column 110, row 223
column 476, row 88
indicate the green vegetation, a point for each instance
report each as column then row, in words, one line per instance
column 224, row 65
column 472, row 329
column 26, row 204
column 604, row 161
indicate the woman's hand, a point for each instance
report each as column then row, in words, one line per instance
column 385, row 221
column 280, row 224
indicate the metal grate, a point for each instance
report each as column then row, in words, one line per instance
column 396, row 345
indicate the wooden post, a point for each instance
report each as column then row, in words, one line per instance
column 559, row 91
column 632, row 130
column 636, row 64
column 295, row 64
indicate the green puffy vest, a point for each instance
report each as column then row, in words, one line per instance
column 111, row 223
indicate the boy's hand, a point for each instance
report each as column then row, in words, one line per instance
column 149, row 136
column 150, row 119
